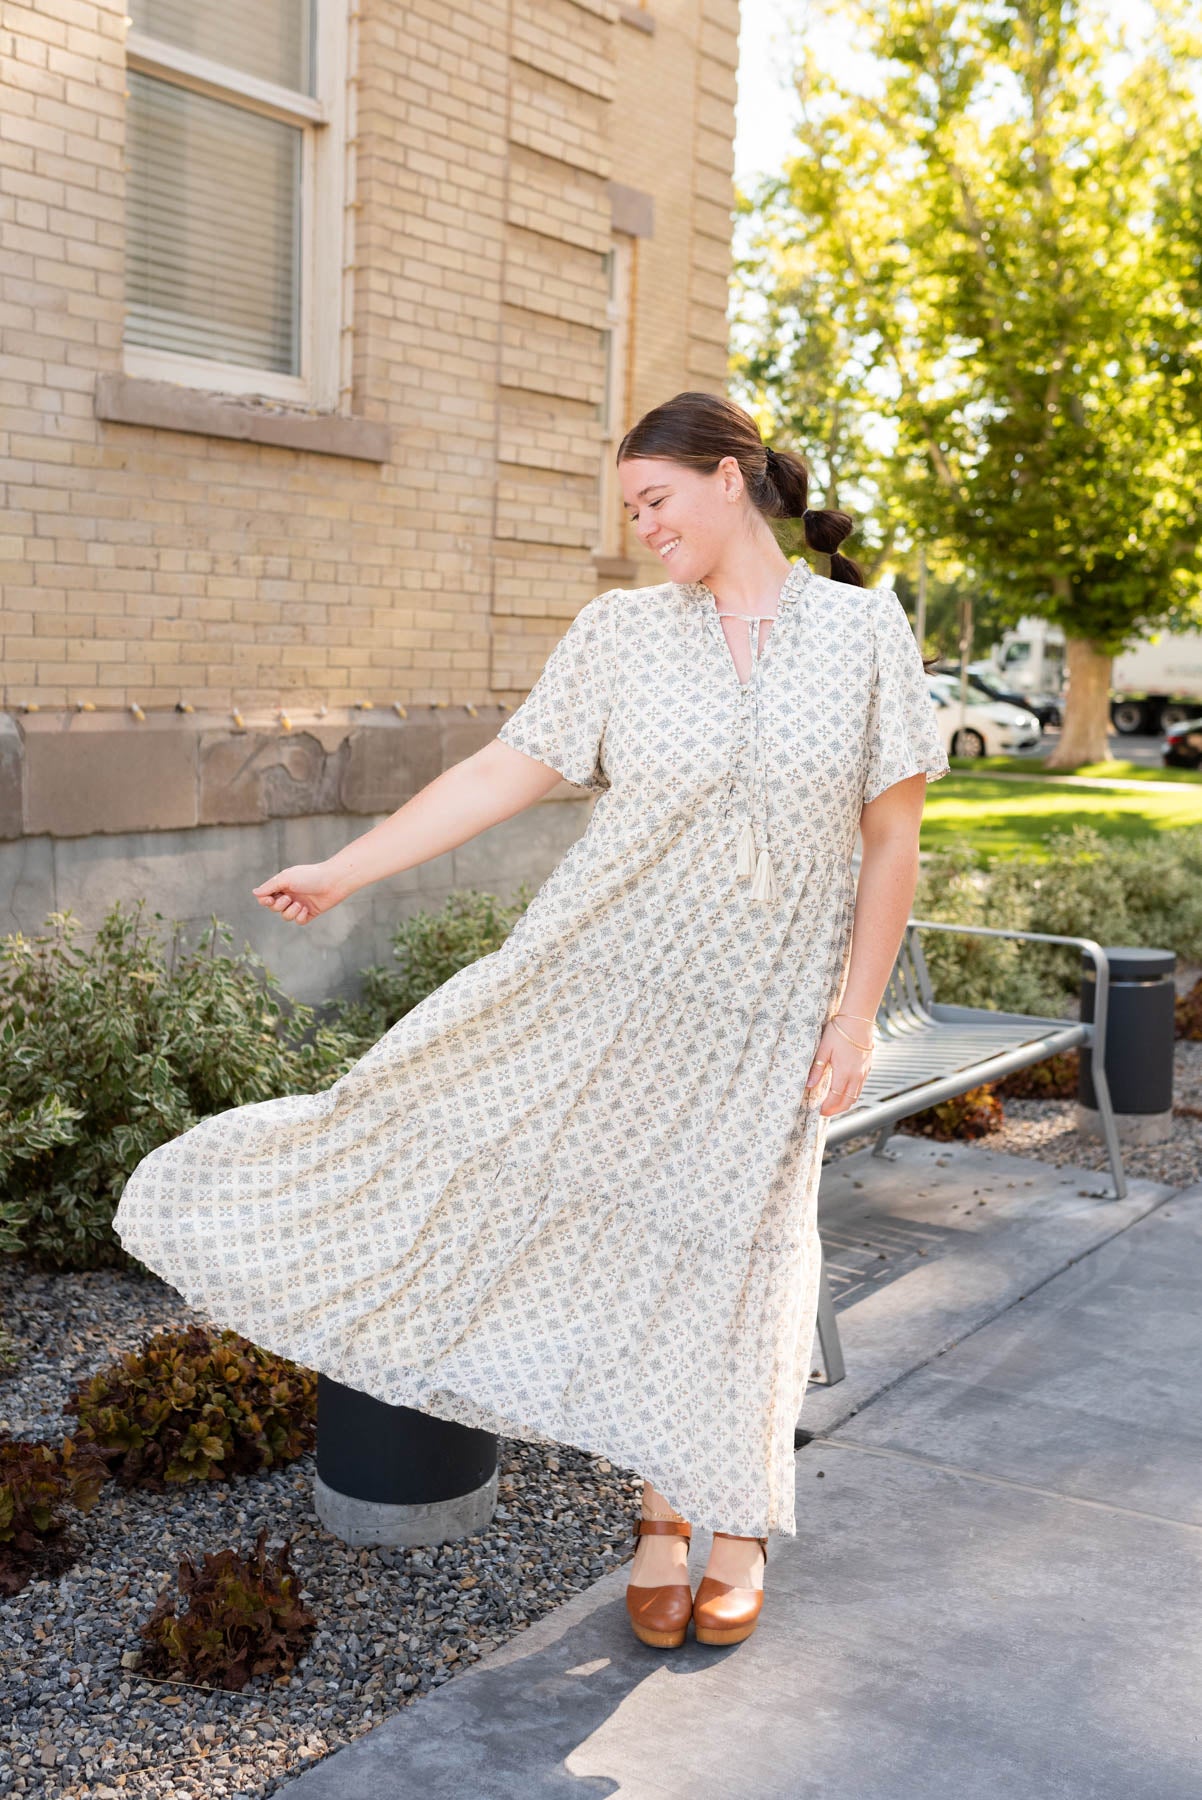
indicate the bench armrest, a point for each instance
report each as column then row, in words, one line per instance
column 1038, row 937
column 1101, row 971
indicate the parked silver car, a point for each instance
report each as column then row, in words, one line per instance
column 990, row 728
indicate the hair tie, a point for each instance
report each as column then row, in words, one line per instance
column 771, row 455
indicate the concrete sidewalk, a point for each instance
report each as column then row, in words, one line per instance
column 995, row 1589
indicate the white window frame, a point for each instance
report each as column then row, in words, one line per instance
column 612, row 412
column 322, row 120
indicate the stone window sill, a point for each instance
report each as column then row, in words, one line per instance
column 131, row 400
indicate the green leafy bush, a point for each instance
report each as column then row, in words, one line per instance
column 108, row 1052
column 196, row 1405
column 243, row 1618
column 36, row 1482
column 428, row 948
column 1088, row 886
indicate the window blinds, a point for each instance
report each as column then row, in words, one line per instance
column 213, row 222
column 272, row 39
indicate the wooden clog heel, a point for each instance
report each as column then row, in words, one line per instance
column 660, row 1615
column 723, row 1613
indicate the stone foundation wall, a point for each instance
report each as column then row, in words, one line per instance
column 190, row 816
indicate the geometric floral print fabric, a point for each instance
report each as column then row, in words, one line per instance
column 571, row 1196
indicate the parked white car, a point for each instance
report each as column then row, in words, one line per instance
column 991, row 727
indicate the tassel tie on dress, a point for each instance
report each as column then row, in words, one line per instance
column 764, row 885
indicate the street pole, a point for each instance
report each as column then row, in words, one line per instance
column 965, row 654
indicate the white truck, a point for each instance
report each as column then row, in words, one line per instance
column 1029, row 659
column 1155, row 684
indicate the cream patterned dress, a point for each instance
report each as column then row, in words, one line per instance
column 571, row 1196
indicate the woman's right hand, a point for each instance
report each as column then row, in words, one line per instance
column 838, row 1071
column 302, row 893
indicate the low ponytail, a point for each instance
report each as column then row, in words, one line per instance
column 825, row 530
column 788, row 479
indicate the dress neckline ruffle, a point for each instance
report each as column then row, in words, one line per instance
column 752, row 859
column 799, row 578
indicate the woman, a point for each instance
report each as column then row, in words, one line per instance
column 571, row 1196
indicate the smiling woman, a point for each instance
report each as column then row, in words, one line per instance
column 572, row 1195
column 778, row 480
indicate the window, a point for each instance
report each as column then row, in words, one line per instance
column 236, row 190
column 618, row 263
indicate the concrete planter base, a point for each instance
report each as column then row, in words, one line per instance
column 364, row 1523
column 1133, row 1128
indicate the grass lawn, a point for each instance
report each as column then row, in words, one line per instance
column 1113, row 771
column 1006, row 818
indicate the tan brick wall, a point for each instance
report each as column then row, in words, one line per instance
column 159, row 565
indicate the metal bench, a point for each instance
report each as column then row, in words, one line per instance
column 929, row 1050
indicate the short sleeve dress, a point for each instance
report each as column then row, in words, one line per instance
column 571, row 1196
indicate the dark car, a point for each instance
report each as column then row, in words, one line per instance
column 1045, row 708
column 1182, row 746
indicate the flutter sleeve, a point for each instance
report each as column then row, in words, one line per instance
column 562, row 720
column 903, row 727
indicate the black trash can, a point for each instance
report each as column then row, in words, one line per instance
column 392, row 1475
column 1139, row 1044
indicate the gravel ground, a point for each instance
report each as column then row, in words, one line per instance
column 76, row 1719
column 1046, row 1129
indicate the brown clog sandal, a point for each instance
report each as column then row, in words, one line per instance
column 660, row 1615
column 724, row 1613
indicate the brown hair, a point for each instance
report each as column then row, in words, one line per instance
column 699, row 429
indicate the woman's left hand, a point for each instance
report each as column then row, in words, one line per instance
column 838, row 1070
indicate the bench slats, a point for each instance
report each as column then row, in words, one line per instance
column 926, row 1066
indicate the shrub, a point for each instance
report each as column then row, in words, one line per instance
column 197, row 1405
column 243, row 1618
column 36, row 1482
column 970, row 1115
column 1188, row 1013
column 110, row 1051
column 428, row 948
column 1053, row 1079
column 1087, row 886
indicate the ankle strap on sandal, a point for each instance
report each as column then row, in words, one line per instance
column 762, row 1542
column 666, row 1527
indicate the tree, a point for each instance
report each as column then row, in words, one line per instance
column 1002, row 238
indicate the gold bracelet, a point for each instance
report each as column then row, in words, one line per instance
column 846, row 1015
column 851, row 1040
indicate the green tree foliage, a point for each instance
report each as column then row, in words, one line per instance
column 974, row 293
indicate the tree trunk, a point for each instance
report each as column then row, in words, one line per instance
column 1083, row 736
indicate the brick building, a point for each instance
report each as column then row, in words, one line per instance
column 321, row 320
